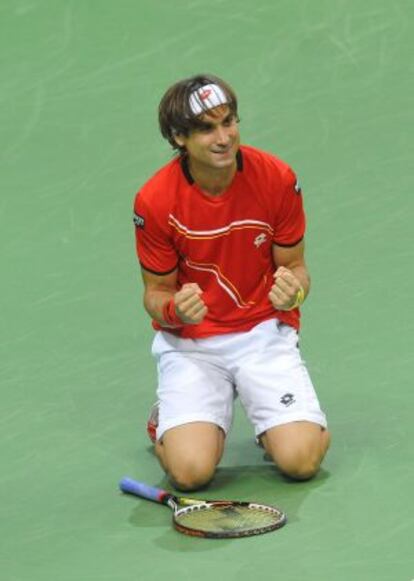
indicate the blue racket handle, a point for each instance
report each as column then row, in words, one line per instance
column 141, row 489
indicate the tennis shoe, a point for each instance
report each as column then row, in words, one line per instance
column 152, row 422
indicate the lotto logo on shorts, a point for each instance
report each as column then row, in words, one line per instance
column 288, row 399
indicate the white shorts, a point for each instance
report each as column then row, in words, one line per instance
column 198, row 379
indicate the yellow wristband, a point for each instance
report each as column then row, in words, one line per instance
column 299, row 299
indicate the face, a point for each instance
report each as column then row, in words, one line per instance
column 215, row 143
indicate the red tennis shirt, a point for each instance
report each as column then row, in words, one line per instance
column 223, row 243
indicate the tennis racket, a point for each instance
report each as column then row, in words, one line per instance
column 213, row 519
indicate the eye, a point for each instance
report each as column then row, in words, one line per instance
column 228, row 121
column 205, row 128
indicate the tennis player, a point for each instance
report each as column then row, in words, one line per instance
column 220, row 240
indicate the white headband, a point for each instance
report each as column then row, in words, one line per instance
column 207, row 97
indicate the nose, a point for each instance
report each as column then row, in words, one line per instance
column 222, row 135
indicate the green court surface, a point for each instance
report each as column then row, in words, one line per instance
column 328, row 86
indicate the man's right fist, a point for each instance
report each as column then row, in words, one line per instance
column 189, row 305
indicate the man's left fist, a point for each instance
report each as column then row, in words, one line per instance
column 287, row 292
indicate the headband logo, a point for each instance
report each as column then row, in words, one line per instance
column 205, row 94
column 207, row 97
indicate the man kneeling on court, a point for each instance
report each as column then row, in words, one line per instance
column 220, row 239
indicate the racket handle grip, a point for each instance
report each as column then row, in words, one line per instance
column 130, row 486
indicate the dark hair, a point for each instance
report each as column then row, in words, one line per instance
column 174, row 113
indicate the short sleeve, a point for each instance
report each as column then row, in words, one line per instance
column 155, row 250
column 290, row 222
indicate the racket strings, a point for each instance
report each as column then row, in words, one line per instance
column 238, row 519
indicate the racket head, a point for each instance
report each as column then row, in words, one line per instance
column 227, row 519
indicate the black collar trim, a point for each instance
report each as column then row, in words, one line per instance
column 186, row 170
column 239, row 159
column 189, row 177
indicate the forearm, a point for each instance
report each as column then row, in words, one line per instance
column 292, row 279
column 302, row 274
column 155, row 302
column 170, row 306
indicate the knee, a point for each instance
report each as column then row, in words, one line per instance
column 297, row 449
column 190, row 475
column 300, row 471
column 299, row 466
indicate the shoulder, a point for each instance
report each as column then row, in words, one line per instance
column 264, row 170
column 265, row 164
column 156, row 191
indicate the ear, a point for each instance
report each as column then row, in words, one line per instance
column 179, row 139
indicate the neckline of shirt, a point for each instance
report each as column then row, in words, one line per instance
column 190, row 180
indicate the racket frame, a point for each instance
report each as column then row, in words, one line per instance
column 182, row 504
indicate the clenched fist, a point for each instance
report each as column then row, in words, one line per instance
column 286, row 290
column 189, row 305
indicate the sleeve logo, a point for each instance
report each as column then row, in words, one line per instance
column 298, row 189
column 139, row 221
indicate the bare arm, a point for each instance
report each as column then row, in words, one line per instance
column 161, row 289
column 290, row 277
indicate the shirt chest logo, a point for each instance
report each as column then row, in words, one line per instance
column 259, row 240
